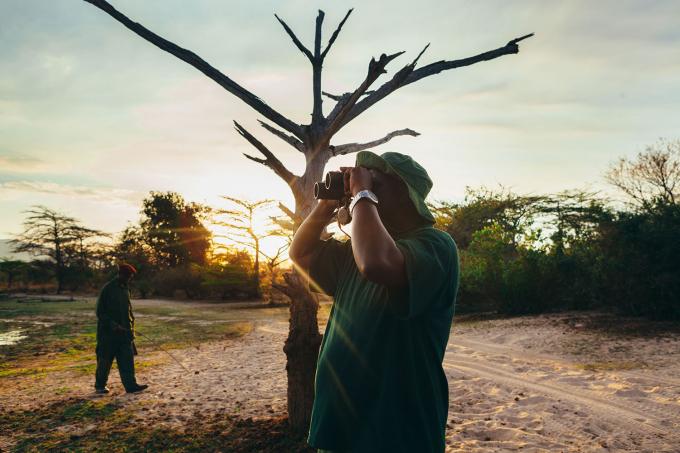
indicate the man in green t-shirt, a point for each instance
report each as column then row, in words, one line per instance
column 116, row 332
column 380, row 385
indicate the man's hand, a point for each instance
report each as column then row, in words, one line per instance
column 308, row 235
column 117, row 328
column 357, row 179
column 324, row 210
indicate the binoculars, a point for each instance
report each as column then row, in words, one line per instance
column 331, row 188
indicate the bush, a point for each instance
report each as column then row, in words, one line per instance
column 529, row 284
column 642, row 268
column 168, row 282
column 228, row 281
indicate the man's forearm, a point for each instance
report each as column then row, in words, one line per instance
column 307, row 236
column 376, row 254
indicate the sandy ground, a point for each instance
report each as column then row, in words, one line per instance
column 533, row 384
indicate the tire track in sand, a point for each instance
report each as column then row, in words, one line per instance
column 666, row 415
column 630, row 417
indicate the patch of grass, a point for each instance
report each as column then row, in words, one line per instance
column 14, row 372
column 62, row 335
column 88, row 410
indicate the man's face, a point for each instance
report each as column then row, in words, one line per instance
column 391, row 192
column 125, row 276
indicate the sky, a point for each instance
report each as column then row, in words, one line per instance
column 92, row 117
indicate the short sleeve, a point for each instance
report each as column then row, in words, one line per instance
column 327, row 264
column 432, row 273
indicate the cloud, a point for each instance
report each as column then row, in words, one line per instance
column 10, row 189
column 21, row 163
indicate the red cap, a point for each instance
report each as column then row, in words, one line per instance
column 127, row 268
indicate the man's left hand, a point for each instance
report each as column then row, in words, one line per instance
column 357, row 179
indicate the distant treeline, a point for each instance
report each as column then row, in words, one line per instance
column 173, row 251
column 519, row 253
column 574, row 250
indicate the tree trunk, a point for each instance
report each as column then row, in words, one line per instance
column 302, row 344
column 257, row 268
column 302, row 351
column 60, row 267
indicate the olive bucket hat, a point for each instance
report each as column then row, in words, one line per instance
column 408, row 170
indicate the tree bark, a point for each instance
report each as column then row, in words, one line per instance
column 257, row 267
column 304, row 340
column 302, row 350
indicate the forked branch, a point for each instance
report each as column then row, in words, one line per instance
column 270, row 160
column 292, row 141
column 295, row 39
column 375, row 69
column 335, row 34
column 408, row 74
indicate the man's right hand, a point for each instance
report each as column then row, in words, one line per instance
column 308, row 235
column 324, row 210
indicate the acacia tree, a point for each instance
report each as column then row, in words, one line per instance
column 241, row 225
column 54, row 235
column 313, row 140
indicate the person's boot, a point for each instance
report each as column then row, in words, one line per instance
column 137, row 388
column 101, row 390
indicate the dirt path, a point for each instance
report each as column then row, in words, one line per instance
column 515, row 385
column 506, row 397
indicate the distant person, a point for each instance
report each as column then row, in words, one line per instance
column 380, row 385
column 116, row 332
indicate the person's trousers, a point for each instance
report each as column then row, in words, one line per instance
column 123, row 352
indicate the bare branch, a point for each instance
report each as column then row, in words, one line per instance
column 287, row 211
column 375, row 69
column 285, row 289
column 284, row 225
column 248, row 205
column 317, row 109
column 414, row 62
column 339, row 97
column 317, row 35
column 341, row 101
column 355, row 147
column 197, row 62
column 335, row 34
column 271, row 161
column 294, row 142
column 295, row 39
column 408, row 75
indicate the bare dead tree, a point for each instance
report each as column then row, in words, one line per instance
column 651, row 178
column 313, row 140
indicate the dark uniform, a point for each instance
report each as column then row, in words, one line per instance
column 380, row 384
column 114, row 311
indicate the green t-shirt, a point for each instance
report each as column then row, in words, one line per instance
column 380, row 385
